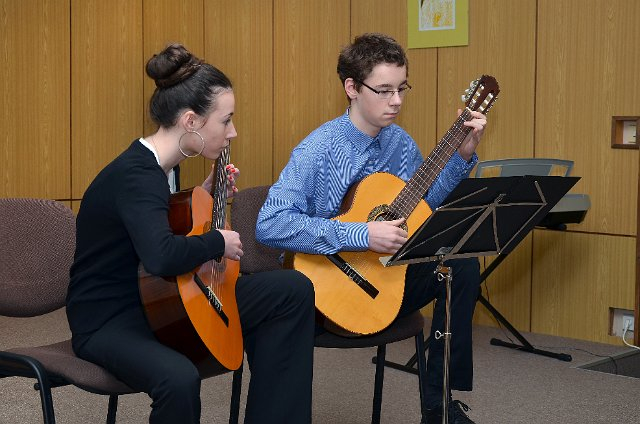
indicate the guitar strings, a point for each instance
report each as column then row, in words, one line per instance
column 218, row 219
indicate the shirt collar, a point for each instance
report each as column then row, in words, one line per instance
column 171, row 176
column 148, row 145
column 357, row 138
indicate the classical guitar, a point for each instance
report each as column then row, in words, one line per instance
column 196, row 313
column 354, row 291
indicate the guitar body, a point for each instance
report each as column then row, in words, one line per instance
column 338, row 298
column 178, row 310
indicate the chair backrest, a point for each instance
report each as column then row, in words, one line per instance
column 37, row 244
column 244, row 213
column 523, row 166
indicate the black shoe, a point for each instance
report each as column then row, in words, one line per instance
column 457, row 414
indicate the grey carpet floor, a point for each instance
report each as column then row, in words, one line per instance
column 509, row 387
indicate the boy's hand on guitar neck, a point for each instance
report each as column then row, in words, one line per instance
column 386, row 236
column 470, row 143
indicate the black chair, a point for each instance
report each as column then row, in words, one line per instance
column 38, row 243
column 258, row 257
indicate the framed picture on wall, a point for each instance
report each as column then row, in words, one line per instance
column 438, row 23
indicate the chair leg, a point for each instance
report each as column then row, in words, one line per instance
column 112, row 409
column 46, row 399
column 379, row 381
column 236, row 388
column 43, row 385
column 422, row 373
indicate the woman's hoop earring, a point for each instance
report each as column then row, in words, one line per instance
column 180, row 146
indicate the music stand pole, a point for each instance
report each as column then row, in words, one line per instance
column 444, row 273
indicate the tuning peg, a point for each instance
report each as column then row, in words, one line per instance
column 467, row 93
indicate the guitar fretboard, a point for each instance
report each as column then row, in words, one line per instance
column 219, row 192
column 415, row 189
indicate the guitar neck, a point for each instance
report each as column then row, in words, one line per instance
column 415, row 189
column 219, row 192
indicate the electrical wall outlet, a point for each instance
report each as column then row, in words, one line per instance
column 618, row 319
column 627, row 322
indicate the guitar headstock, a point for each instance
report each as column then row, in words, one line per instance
column 481, row 94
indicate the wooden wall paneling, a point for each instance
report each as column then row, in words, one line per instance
column 307, row 92
column 238, row 39
column 164, row 22
column 107, row 94
column 577, row 277
column 34, row 111
column 418, row 116
column 508, row 288
column 587, row 73
column 502, row 43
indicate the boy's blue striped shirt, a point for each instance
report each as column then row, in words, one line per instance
column 320, row 171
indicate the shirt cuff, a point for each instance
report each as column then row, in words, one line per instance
column 356, row 236
column 215, row 242
column 462, row 166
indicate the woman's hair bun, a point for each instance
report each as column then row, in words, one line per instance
column 172, row 65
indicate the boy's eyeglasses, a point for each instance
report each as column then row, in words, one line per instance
column 387, row 94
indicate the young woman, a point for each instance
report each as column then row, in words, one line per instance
column 123, row 221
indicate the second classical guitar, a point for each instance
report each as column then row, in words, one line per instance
column 196, row 313
column 353, row 289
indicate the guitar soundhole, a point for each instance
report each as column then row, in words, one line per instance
column 383, row 213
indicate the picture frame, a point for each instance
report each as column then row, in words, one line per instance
column 437, row 23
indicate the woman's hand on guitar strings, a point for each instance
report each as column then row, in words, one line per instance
column 232, row 174
column 232, row 245
column 386, row 236
column 470, row 143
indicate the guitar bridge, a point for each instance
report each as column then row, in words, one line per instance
column 353, row 275
column 212, row 298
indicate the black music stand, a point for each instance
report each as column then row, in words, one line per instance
column 481, row 217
